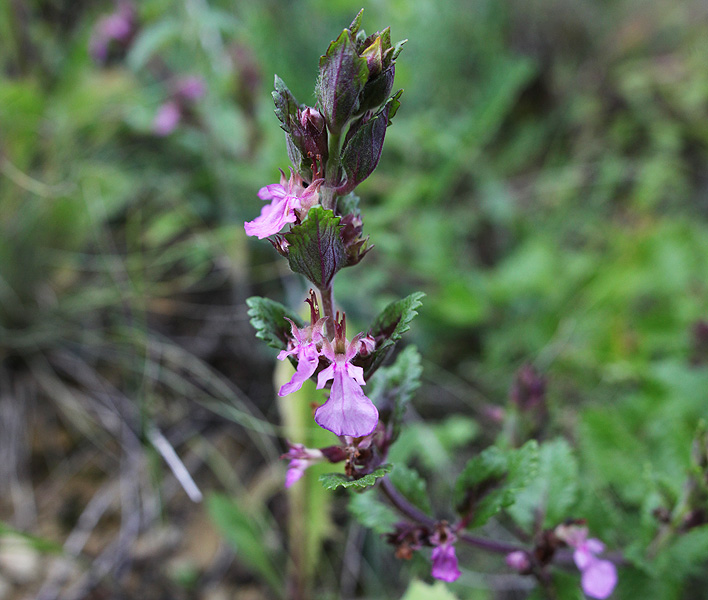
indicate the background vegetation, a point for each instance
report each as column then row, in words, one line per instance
column 544, row 183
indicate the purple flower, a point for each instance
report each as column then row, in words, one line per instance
column 300, row 459
column 444, row 558
column 445, row 563
column 167, row 118
column 190, row 88
column 599, row 577
column 347, row 411
column 286, row 198
column 519, row 561
column 305, row 344
column 116, row 28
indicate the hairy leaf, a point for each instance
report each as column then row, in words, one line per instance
column 316, row 247
column 390, row 326
column 553, row 491
column 286, row 106
column 492, row 480
column 343, row 74
column 332, row 481
column 268, row 319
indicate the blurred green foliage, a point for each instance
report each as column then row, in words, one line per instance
column 544, row 184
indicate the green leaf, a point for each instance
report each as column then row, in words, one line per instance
column 372, row 513
column 356, row 23
column 316, row 247
column 419, row 590
column 246, row 535
column 349, row 205
column 286, row 106
column 343, row 74
column 390, row 326
column 554, row 490
column 35, row 542
column 492, row 480
column 434, row 444
column 332, row 481
column 151, row 40
column 268, row 319
column 409, row 482
column 685, row 556
column 392, row 388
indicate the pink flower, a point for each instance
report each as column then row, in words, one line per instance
column 519, row 561
column 117, row 28
column 444, row 558
column 347, row 411
column 286, row 198
column 167, row 118
column 599, row 577
column 190, row 88
column 305, row 344
column 300, row 459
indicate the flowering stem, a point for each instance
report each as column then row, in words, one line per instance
column 403, row 506
column 410, row 511
column 331, row 172
column 327, row 295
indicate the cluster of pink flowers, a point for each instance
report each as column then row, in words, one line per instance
column 598, row 576
column 347, row 411
column 186, row 91
column 290, row 200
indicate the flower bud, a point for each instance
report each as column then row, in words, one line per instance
column 519, row 561
column 312, row 134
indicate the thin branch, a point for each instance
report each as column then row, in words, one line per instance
column 176, row 465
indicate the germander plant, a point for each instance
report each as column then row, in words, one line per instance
column 314, row 221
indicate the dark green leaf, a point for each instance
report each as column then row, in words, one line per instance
column 343, row 74
column 268, row 319
column 390, row 326
column 409, row 482
column 316, row 247
column 492, row 480
column 372, row 513
column 332, row 481
column 246, row 535
column 362, row 151
column 286, row 106
column 392, row 388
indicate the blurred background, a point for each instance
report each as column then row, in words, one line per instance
column 545, row 183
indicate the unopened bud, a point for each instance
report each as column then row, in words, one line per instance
column 519, row 561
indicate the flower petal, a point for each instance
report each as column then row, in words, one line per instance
column 445, row 563
column 582, row 557
column 274, row 191
column 308, row 359
column 347, row 411
column 273, row 218
column 296, row 469
column 167, row 118
column 599, row 579
column 325, row 376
